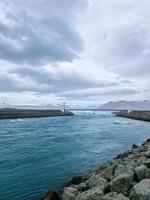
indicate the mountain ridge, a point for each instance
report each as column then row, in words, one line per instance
column 127, row 105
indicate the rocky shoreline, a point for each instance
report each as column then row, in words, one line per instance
column 127, row 177
column 13, row 113
column 137, row 115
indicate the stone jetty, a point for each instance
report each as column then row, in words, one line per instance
column 127, row 177
column 13, row 113
column 137, row 115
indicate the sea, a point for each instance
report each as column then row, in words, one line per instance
column 41, row 154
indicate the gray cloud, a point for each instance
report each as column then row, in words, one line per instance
column 7, row 85
column 76, row 50
column 38, row 40
column 125, row 49
column 99, row 93
column 12, row 83
column 62, row 9
column 52, row 82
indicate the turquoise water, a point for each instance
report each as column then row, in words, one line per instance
column 39, row 154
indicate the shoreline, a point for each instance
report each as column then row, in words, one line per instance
column 137, row 115
column 119, row 179
column 13, row 113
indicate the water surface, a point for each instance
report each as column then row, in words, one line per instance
column 43, row 153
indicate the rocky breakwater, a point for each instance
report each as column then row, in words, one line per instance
column 127, row 177
column 13, row 113
column 138, row 115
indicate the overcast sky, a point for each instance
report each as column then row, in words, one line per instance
column 74, row 50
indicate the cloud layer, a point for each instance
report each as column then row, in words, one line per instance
column 83, row 50
column 35, row 40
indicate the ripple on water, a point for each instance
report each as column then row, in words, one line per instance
column 38, row 154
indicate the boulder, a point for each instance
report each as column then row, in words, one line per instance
column 98, row 169
column 140, row 160
column 147, row 163
column 147, row 154
column 140, row 172
column 108, row 172
column 140, row 149
column 96, row 180
column 131, row 166
column 124, row 155
column 94, row 193
column 147, row 173
column 70, row 193
column 141, row 191
column 83, row 187
column 134, row 148
column 75, row 180
column 114, row 196
column 122, row 183
column 120, row 169
column 146, row 145
column 51, row 195
column 146, row 142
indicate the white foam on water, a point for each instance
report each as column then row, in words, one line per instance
column 20, row 120
column 91, row 112
column 12, row 121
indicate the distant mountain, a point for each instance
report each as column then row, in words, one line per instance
column 127, row 105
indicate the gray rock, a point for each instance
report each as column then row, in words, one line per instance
column 134, row 148
column 94, row 193
column 140, row 172
column 131, row 166
column 122, row 183
column 141, row 191
column 147, row 173
column 98, row 169
column 114, row 196
column 124, row 155
column 70, row 193
column 96, row 180
column 147, row 163
column 108, row 172
column 76, row 180
column 147, row 154
column 83, row 187
column 140, row 149
column 141, row 159
column 146, row 143
column 120, row 169
column 51, row 195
